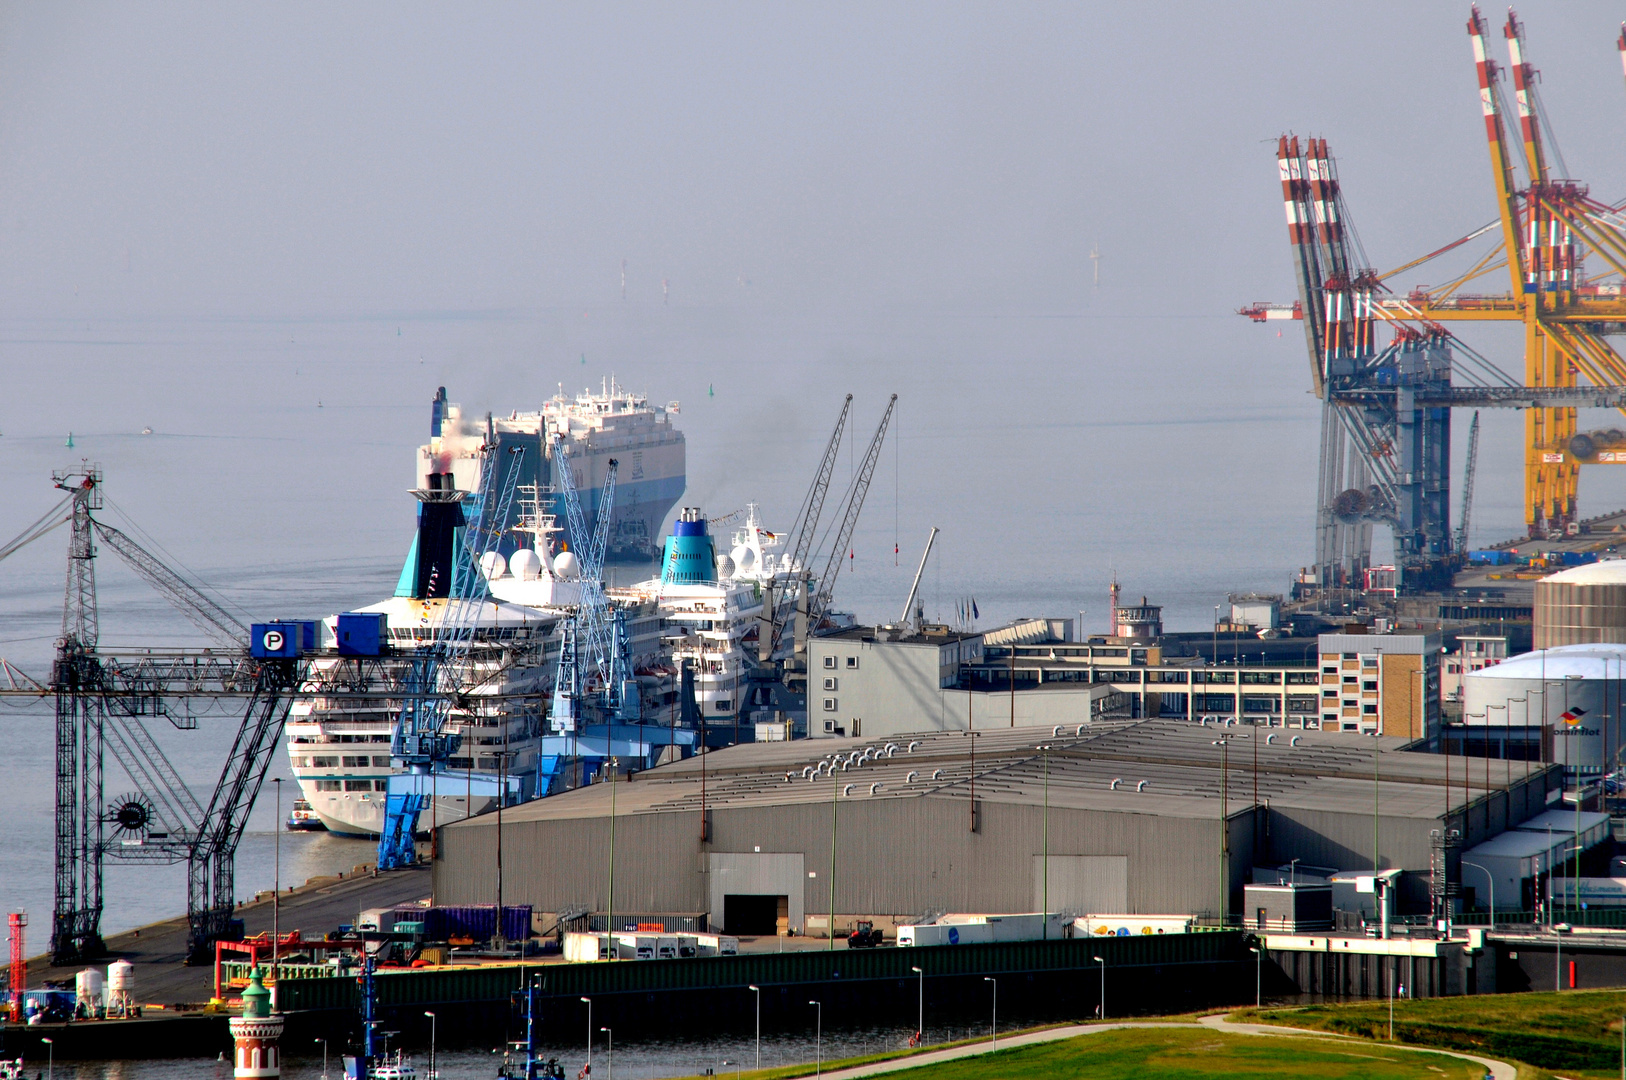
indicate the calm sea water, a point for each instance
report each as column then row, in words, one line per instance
column 1053, row 450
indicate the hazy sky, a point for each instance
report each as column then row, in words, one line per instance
column 286, row 159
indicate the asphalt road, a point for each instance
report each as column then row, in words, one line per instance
column 157, row 951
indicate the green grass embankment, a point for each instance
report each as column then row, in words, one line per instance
column 1574, row 1033
column 1175, row 1053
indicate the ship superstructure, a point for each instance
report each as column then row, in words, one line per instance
column 593, row 428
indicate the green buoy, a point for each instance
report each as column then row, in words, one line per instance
column 70, row 438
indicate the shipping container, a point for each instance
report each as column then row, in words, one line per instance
column 583, row 948
column 716, row 945
column 1131, row 925
column 362, row 633
column 946, row 934
column 1021, row 927
column 376, row 920
column 1490, row 558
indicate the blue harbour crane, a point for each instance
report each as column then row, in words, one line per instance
column 437, row 670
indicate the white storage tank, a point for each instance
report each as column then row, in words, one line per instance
column 1581, row 605
column 87, row 990
column 121, row 977
column 1561, row 696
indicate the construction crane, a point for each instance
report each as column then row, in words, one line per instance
column 439, row 670
column 592, row 617
column 819, row 602
column 1468, row 471
column 805, row 526
column 1549, row 226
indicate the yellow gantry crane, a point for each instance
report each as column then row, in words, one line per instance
column 1550, row 228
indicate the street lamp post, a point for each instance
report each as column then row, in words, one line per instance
column 324, row 1057
column 50, row 1061
column 993, row 1038
column 610, row 1037
column 1488, row 881
column 589, row 1069
column 433, row 1075
column 757, row 990
column 1103, row 962
column 1258, row 976
column 276, row 894
column 1224, row 743
column 614, row 766
column 818, row 1039
column 920, row 1022
column 1045, row 833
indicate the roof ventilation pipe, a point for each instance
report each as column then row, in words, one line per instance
column 847, row 789
column 937, row 774
column 1270, row 740
column 1080, row 730
column 913, row 743
column 1294, row 741
column 1116, row 780
column 1055, row 731
column 911, row 777
column 891, row 748
column 1141, row 786
column 873, row 788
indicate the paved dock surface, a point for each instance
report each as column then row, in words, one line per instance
column 157, row 951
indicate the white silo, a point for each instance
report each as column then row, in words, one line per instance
column 1566, row 698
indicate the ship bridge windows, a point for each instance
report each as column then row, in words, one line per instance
column 324, row 762
column 358, row 762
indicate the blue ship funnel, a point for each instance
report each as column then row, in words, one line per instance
column 690, row 558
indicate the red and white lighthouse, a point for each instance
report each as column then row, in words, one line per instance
column 256, row 1032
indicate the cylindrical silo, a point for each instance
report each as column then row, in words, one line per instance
column 1582, row 605
column 1574, row 691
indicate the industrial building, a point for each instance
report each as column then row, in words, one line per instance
column 1133, row 816
column 883, row 681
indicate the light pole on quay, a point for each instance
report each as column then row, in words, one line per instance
column 433, row 1075
column 757, row 990
column 920, row 1022
column 1103, row 962
column 50, row 1061
column 589, row 1034
column 609, row 1035
column 818, row 1039
column 993, row 1037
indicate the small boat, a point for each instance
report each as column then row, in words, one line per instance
column 300, row 819
column 391, row 1067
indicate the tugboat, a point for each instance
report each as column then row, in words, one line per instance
column 303, row 819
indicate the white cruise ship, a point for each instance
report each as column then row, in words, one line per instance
column 339, row 748
column 712, row 604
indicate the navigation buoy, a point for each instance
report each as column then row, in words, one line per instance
column 711, row 391
column 70, row 438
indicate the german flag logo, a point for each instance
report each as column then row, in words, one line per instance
column 1572, row 716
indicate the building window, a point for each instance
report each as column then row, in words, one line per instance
column 852, row 661
column 829, row 704
column 1370, row 708
column 381, row 762
column 725, row 704
column 830, row 682
column 381, row 785
column 358, row 785
column 1369, row 684
column 328, row 785
column 829, row 727
column 829, row 661
column 355, row 762
column 1330, row 692
column 324, row 762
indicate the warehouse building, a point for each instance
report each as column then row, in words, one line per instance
column 1136, row 816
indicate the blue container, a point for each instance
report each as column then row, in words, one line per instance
column 275, row 639
column 1490, row 558
column 362, row 633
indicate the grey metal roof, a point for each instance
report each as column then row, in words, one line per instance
column 1162, row 766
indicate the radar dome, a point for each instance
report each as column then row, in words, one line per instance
column 492, row 564
column 525, row 564
column 743, row 557
column 566, row 566
column 725, row 566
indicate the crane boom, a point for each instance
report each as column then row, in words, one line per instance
column 805, row 527
column 1468, row 485
column 207, row 615
column 855, row 504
